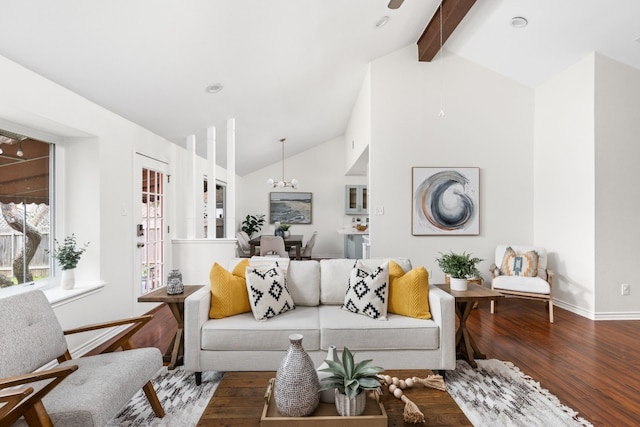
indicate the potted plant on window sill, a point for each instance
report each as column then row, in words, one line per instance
column 350, row 382
column 459, row 267
column 68, row 255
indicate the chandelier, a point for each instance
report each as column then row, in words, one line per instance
column 282, row 183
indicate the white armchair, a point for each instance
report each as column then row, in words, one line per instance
column 521, row 271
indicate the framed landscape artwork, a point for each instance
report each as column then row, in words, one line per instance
column 290, row 208
column 445, row 201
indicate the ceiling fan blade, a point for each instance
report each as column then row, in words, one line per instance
column 394, row 4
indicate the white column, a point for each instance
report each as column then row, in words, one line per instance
column 211, row 182
column 230, row 220
column 192, row 189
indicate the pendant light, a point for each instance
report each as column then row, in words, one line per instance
column 282, row 183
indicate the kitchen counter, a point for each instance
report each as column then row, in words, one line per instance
column 351, row 230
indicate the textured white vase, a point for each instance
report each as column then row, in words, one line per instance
column 327, row 396
column 350, row 407
column 68, row 278
column 458, row 284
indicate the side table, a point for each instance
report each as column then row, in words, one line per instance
column 466, row 347
column 176, row 304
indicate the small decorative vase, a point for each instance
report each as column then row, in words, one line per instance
column 350, row 407
column 459, row 285
column 279, row 233
column 286, row 233
column 174, row 283
column 297, row 384
column 327, row 396
column 68, row 278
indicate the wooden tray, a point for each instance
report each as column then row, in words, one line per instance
column 325, row 415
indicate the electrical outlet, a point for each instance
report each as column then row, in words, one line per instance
column 379, row 210
column 626, row 289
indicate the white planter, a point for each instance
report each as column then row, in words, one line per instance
column 350, row 407
column 459, row 285
column 68, row 278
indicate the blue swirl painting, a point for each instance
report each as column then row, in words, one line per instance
column 445, row 201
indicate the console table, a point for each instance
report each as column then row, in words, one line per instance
column 176, row 304
column 466, row 347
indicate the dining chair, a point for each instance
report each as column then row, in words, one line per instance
column 270, row 245
column 243, row 244
column 305, row 253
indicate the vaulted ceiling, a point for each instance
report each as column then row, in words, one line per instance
column 290, row 68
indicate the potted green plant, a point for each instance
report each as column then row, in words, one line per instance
column 285, row 229
column 252, row 224
column 68, row 255
column 350, row 380
column 459, row 267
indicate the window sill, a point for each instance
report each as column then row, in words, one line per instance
column 54, row 292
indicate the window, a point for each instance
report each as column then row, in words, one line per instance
column 25, row 182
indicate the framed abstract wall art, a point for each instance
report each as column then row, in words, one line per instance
column 445, row 201
column 290, row 208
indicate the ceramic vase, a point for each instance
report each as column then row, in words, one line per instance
column 458, row 284
column 350, row 407
column 174, row 283
column 297, row 384
column 68, row 278
column 328, row 395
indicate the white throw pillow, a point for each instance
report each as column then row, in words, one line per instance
column 268, row 292
column 368, row 291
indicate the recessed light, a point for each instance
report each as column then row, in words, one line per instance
column 382, row 21
column 214, row 88
column 519, row 22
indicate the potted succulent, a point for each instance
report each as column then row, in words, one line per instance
column 68, row 255
column 252, row 224
column 350, row 380
column 459, row 267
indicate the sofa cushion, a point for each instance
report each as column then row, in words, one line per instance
column 268, row 293
column 368, row 291
column 519, row 264
column 228, row 291
column 243, row 333
column 409, row 292
column 343, row 328
column 534, row 285
column 334, row 276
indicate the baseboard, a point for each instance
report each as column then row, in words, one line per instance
column 615, row 315
column 98, row 340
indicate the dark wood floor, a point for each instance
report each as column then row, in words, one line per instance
column 593, row 367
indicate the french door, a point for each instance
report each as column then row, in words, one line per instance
column 151, row 224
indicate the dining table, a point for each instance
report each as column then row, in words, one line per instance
column 290, row 242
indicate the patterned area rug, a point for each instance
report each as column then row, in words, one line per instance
column 183, row 401
column 499, row 394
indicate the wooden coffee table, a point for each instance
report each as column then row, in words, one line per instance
column 239, row 399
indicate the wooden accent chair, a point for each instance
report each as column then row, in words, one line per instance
column 270, row 245
column 521, row 271
column 88, row 391
column 306, row 251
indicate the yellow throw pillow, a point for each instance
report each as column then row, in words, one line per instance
column 409, row 292
column 229, row 294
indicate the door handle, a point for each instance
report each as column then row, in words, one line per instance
column 140, row 245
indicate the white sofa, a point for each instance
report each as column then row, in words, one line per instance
column 241, row 343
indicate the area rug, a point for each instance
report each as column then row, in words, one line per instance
column 499, row 394
column 183, row 401
column 495, row 394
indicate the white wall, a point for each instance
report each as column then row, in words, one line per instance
column 358, row 133
column 617, row 201
column 488, row 124
column 319, row 170
column 95, row 188
column 564, row 190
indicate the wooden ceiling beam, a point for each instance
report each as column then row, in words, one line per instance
column 453, row 11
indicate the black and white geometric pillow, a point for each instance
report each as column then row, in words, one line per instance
column 368, row 291
column 268, row 292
